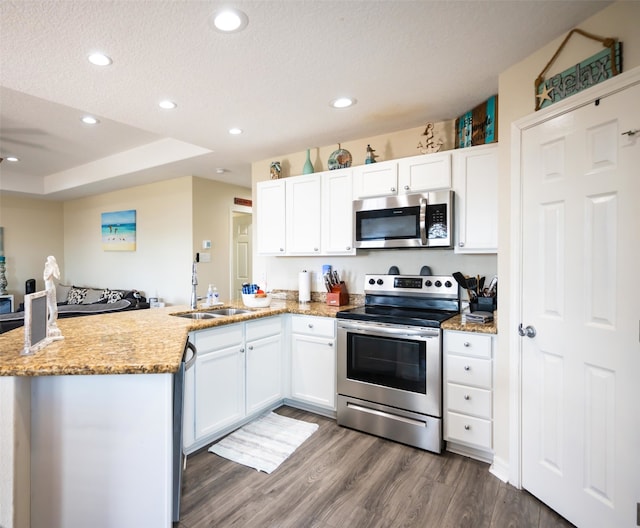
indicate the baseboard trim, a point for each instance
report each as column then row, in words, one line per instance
column 500, row 469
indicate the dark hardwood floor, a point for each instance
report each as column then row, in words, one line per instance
column 342, row 478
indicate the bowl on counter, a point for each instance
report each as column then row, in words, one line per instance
column 253, row 301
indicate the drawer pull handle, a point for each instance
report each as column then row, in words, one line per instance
column 467, row 427
column 467, row 397
column 467, row 344
column 467, row 367
column 310, row 325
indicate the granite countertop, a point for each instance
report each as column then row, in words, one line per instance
column 132, row 342
column 456, row 323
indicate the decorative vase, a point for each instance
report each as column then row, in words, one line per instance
column 308, row 166
column 275, row 169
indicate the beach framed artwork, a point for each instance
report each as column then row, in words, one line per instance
column 119, row 231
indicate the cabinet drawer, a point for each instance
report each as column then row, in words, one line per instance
column 263, row 328
column 469, row 371
column 220, row 337
column 468, row 344
column 469, row 400
column 474, row 431
column 316, row 326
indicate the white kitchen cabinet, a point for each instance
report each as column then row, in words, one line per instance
column 424, row 173
column 475, row 182
column 264, row 363
column 313, row 361
column 337, row 213
column 271, row 217
column 303, row 215
column 468, row 393
column 219, row 379
column 415, row 174
column 376, row 179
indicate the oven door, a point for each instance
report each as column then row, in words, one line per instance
column 394, row 365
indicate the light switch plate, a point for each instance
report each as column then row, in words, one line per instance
column 205, row 257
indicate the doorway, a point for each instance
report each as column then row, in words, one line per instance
column 241, row 250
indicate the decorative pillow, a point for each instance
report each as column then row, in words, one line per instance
column 62, row 293
column 93, row 296
column 112, row 296
column 76, row 295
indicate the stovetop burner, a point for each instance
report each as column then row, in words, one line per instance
column 416, row 300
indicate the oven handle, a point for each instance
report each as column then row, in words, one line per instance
column 377, row 329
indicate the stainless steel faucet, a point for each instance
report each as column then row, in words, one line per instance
column 194, row 284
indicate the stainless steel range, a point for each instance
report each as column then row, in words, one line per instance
column 390, row 358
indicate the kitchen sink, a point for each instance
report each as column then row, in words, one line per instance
column 228, row 311
column 198, row 315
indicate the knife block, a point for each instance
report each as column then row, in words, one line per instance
column 338, row 296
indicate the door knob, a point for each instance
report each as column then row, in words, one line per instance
column 528, row 331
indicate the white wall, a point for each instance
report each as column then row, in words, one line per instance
column 516, row 100
column 161, row 263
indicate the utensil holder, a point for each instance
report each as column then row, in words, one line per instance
column 483, row 304
column 338, row 296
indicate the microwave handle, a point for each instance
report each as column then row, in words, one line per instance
column 423, row 221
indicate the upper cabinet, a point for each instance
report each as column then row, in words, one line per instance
column 306, row 215
column 404, row 176
column 475, row 182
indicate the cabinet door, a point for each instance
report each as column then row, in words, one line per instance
column 264, row 368
column 337, row 212
column 376, row 179
column 313, row 370
column 476, row 185
column 219, row 400
column 303, row 215
column 424, row 173
column 271, row 218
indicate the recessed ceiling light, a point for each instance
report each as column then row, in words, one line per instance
column 99, row 59
column 229, row 20
column 343, row 102
column 235, row 131
column 12, row 158
column 90, row 120
column 167, row 105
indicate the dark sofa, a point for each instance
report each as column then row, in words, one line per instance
column 74, row 301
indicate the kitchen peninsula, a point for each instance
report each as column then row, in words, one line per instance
column 101, row 413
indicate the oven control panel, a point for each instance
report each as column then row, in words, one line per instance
column 444, row 286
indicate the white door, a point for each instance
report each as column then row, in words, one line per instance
column 580, row 254
column 242, row 252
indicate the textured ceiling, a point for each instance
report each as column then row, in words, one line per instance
column 406, row 62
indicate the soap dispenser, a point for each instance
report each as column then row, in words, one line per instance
column 216, row 296
column 210, row 295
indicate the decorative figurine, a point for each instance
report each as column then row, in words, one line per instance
column 371, row 157
column 275, row 169
column 339, row 159
column 52, row 270
column 429, row 146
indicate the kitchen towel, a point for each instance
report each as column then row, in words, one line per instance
column 304, row 286
column 264, row 443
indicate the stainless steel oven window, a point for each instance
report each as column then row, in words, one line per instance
column 390, row 362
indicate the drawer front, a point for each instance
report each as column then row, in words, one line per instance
column 263, row 328
column 469, row 371
column 220, row 337
column 469, row 400
column 468, row 344
column 316, row 326
column 469, row 430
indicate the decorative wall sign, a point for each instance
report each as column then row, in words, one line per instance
column 597, row 68
column 478, row 126
column 242, row 201
column 119, row 231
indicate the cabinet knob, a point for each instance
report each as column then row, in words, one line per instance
column 250, row 347
column 310, row 325
column 467, row 367
column 282, row 250
column 460, row 244
column 393, row 189
column 330, row 343
column 467, row 397
column 242, row 350
column 315, row 249
column 406, row 187
column 467, row 344
column 348, row 248
column 467, row 427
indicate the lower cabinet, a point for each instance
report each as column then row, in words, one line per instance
column 468, row 394
column 238, row 372
column 313, row 360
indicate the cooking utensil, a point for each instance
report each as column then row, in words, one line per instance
column 460, row 279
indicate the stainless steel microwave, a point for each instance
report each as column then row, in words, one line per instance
column 405, row 221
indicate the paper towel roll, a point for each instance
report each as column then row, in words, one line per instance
column 304, row 286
